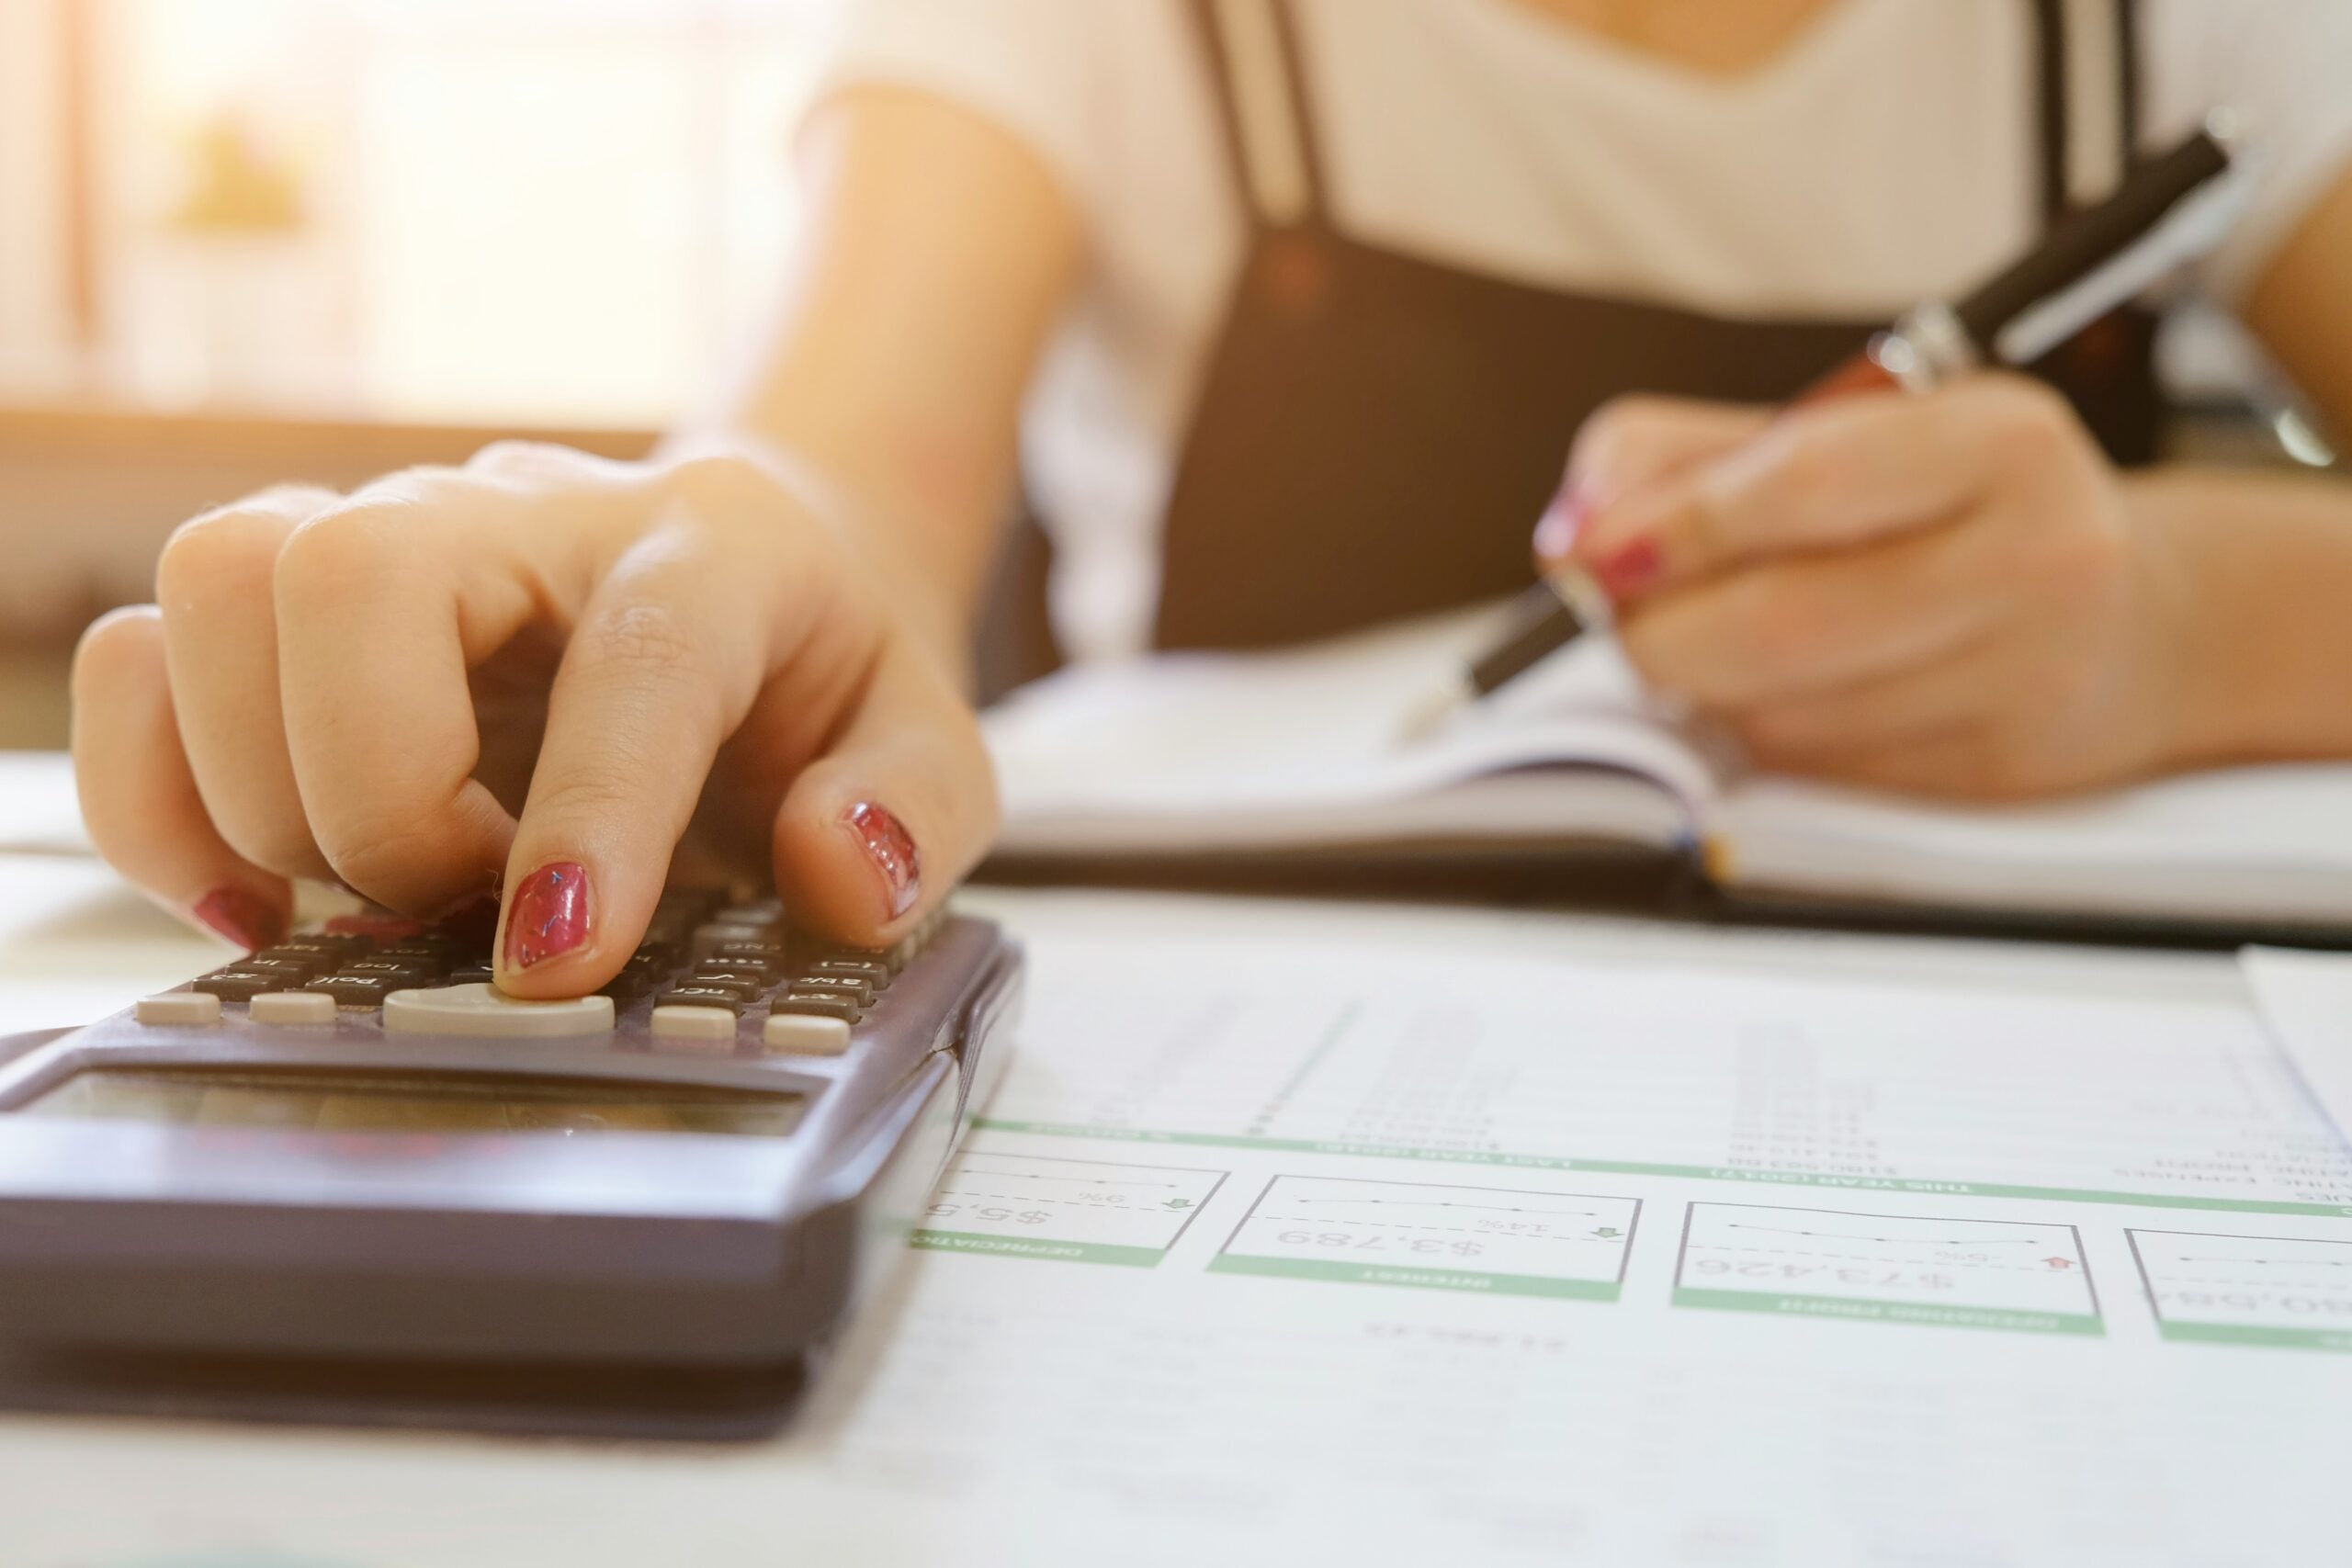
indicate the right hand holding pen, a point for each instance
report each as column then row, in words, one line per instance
column 541, row 672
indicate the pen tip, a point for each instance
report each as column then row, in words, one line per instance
column 1431, row 710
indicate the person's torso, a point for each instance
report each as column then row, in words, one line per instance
column 1888, row 154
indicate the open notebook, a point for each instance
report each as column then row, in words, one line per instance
column 1208, row 755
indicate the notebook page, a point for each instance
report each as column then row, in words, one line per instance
column 1307, row 746
column 2263, row 842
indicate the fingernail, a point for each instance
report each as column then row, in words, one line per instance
column 549, row 915
column 250, row 922
column 1629, row 567
column 891, row 847
column 1556, row 530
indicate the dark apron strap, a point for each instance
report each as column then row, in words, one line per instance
column 1266, row 125
column 2088, row 95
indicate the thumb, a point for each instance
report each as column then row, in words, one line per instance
column 874, row 834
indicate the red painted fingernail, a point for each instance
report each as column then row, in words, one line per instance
column 250, row 922
column 891, row 847
column 1556, row 530
column 1629, row 567
column 550, row 916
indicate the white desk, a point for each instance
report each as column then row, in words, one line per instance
column 1043, row 1466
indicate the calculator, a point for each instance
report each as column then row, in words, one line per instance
column 347, row 1178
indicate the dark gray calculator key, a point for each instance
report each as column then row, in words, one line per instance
column 360, row 991
column 472, row 975
column 819, row 1004
column 730, row 974
column 742, row 988
column 302, row 966
column 701, row 997
column 396, row 967
column 240, row 986
column 327, row 949
column 849, row 986
column 875, row 975
column 766, row 957
column 430, row 955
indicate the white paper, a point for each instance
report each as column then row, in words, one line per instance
column 1324, row 1235
column 2307, row 999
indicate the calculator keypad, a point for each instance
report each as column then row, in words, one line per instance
column 706, row 966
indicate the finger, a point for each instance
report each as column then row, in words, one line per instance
column 1972, row 764
column 875, row 833
column 385, row 602
column 213, row 582
column 1784, row 630
column 1829, row 731
column 139, row 798
column 1631, row 442
column 1834, row 474
column 669, row 654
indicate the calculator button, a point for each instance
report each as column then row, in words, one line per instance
column 849, row 986
column 485, row 1011
column 765, row 957
column 693, row 995
column 806, row 1035
column 238, row 984
column 819, row 1004
column 293, row 1007
column 680, row 1021
column 178, row 1007
column 359, row 990
column 873, row 974
column 300, row 966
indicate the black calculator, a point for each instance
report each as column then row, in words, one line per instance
column 347, row 1178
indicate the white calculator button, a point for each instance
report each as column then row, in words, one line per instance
column 480, row 1009
column 178, row 1007
column 682, row 1021
column 292, row 1007
column 803, row 1035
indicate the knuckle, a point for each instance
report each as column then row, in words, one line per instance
column 723, row 484
column 650, row 638
column 381, row 850
column 1806, row 474
column 115, row 633
column 2034, row 422
column 349, row 544
column 231, row 547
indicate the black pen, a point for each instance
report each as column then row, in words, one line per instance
column 2167, row 211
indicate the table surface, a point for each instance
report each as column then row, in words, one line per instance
column 75, row 943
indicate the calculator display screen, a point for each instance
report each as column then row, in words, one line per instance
column 345, row 1100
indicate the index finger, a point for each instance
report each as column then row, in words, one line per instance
column 1825, row 475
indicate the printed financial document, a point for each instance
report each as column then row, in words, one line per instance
column 1315, row 1233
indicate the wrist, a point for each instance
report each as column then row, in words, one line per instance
column 2256, row 574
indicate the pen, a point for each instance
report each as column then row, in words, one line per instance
column 2168, row 211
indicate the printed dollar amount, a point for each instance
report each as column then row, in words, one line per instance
column 1962, row 1273
column 1498, row 1240
column 2248, row 1290
column 1075, row 1211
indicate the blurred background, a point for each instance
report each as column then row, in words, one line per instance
column 244, row 241
column 250, row 241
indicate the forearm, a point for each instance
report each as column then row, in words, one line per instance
column 934, row 258
column 2266, row 560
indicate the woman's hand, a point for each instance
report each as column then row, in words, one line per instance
column 1945, row 594
column 545, row 671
